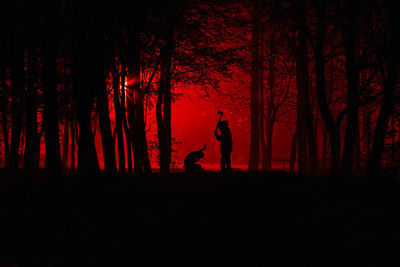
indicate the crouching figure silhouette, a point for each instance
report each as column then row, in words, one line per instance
column 191, row 160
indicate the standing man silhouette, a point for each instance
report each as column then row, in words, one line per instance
column 226, row 144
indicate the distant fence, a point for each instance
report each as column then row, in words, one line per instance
column 281, row 164
column 284, row 164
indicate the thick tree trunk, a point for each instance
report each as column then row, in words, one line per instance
column 135, row 106
column 141, row 131
column 327, row 116
column 4, row 92
column 374, row 162
column 352, row 91
column 387, row 107
column 50, row 114
column 83, row 94
column 305, row 122
column 98, row 45
column 31, row 130
column 32, row 148
column 17, row 88
column 87, row 156
column 367, row 132
column 163, row 106
column 254, row 156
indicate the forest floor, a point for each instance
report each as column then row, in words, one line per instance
column 243, row 219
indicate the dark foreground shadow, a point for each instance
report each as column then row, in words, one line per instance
column 244, row 219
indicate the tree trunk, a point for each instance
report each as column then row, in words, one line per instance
column 269, row 132
column 31, row 130
column 50, row 114
column 387, row 107
column 357, row 149
column 324, row 148
column 293, row 151
column 83, row 94
column 305, row 122
column 118, row 120
column 4, row 91
column 254, row 156
column 262, row 122
column 72, row 144
column 352, row 91
column 65, row 144
column 4, row 125
column 374, row 162
column 327, row 116
column 128, row 114
column 271, row 108
column 141, row 131
column 98, row 45
column 135, row 106
column 163, row 105
column 17, row 88
column 367, row 132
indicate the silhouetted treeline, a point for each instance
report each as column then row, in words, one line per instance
column 345, row 65
column 69, row 68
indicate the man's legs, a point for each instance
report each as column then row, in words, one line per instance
column 222, row 162
column 228, row 161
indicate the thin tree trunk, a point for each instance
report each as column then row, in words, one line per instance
column 73, row 142
column 118, row 120
column 163, row 106
column 145, row 161
column 324, row 148
column 6, row 144
column 393, row 136
column 271, row 109
column 65, row 143
column 127, row 115
column 293, row 151
column 357, row 149
column 262, row 122
column 269, row 132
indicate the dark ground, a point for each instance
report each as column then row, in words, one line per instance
column 246, row 219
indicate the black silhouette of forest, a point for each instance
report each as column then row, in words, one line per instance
column 90, row 169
